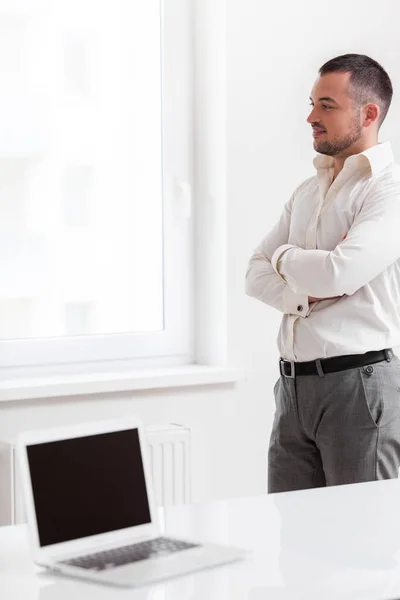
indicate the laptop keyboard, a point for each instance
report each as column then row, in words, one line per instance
column 117, row 557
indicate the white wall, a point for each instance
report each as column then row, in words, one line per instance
column 272, row 58
column 274, row 53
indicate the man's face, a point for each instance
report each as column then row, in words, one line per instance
column 335, row 120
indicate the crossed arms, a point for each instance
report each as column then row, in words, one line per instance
column 287, row 277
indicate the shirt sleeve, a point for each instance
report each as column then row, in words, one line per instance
column 263, row 283
column 371, row 246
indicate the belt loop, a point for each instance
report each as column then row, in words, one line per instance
column 319, row 367
column 292, row 370
column 388, row 354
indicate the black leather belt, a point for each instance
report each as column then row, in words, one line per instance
column 336, row 363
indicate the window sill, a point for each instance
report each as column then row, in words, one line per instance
column 118, row 381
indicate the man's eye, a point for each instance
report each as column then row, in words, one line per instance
column 324, row 106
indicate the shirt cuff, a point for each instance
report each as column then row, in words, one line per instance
column 277, row 255
column 295, row 304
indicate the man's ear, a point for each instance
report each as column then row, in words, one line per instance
column 371, row 114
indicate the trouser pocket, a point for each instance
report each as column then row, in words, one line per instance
column 373, row 397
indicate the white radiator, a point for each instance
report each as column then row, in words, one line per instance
column 169, row 457
column 169, row 454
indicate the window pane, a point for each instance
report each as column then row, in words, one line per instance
column 81, row 246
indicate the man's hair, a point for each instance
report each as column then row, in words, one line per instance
column 369, row 81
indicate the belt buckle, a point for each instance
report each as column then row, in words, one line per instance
column 292, row 371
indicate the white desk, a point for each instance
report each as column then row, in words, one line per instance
column 324, row 544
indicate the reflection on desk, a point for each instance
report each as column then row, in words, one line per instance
column 332, row 543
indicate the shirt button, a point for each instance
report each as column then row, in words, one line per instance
column 300, row 307
column 369, row 369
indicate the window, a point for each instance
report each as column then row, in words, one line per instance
column 96, row 170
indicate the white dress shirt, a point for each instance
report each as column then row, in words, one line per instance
column 304, row 255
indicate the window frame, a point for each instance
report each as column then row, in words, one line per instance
column 175, row 344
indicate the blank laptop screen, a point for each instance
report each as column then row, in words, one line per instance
column 88, row 486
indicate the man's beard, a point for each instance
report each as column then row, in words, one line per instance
column 334, row 147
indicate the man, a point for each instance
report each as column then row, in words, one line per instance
column 331, row 264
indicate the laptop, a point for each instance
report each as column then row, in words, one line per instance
column 91, row 511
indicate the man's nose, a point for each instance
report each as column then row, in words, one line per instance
column 315, row 115
column 312, row 117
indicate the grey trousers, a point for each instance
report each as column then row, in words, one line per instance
column 341, row 428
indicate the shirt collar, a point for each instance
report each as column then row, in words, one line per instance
column 378, row 157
